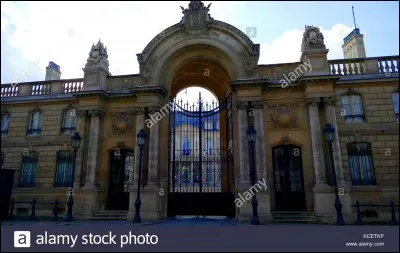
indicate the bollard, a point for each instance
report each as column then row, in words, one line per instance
column 394, row 222
column 33, row 215
column 11, row 213
column 55, row 211
column 359, row 220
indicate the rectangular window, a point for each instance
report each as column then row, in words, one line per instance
column 5, row 119
column 28, row 170
column 395, row 97
column 69, row 121
column 353, row 109
column 35, row 125
column 361, row 164
column 64, row 169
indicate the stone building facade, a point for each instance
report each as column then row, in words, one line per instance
column 288, row 104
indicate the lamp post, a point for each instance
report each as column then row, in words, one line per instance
column 251, row 138
column 76, row 142
column 141, row 139
column 329, row 133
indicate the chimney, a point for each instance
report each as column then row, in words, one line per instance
column 53, row 72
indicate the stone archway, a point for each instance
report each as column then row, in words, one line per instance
column 198, row 51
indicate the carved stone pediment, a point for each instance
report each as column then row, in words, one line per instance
column 283, row 116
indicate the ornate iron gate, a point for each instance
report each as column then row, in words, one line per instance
column 288, row 174
column 201, row 180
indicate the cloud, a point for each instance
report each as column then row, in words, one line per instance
column 287, row 47
column 32, row 32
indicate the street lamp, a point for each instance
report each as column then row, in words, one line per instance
column 75, row 142
column 329, row 133
column 141, row 139
column 251, row 138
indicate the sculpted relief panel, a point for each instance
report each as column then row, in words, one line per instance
column 122, row 123
column 283, row 116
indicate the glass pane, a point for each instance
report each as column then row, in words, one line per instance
column 395, row 97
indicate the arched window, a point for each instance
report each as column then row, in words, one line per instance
column 361, row 164
column 69, row 121
column 35, row 122
column 186, row 146
column 5, row 119
column 395, row 97
column 353, row 108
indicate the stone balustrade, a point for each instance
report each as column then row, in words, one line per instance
column 341, row 67
column 41, row 88
column 369, row 65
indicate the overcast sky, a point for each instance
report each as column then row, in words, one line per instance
column 34, row 33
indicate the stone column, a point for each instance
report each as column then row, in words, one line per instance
column 153, row 151
column 337, row 155
column 316, row 141
column 81, row 124
column 263, row 196
column 140, row 117
column 93, row 148
column 260, row 141
column 243, row 144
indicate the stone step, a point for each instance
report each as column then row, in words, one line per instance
column 294, row 217
column 110, row 215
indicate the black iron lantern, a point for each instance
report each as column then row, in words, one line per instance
column 251, row 134
column 76, row 140
column 329, row 133
column 141, row 138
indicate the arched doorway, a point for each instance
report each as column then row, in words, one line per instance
column 120, row 177
column 201, row 157
column 288, row 178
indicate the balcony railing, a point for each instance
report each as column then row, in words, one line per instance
column 342, row 67
column 41, row 88
column 358, row 66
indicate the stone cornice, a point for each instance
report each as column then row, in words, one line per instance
column 310, row 80
column 248, row 83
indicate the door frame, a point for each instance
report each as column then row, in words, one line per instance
column 302, row 206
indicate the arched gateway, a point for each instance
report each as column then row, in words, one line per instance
column 199, row 51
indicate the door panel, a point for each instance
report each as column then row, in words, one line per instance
column 288, row 178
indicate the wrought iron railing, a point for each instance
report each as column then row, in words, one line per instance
column 361, row 164
column 64, row 167
column 28, row 170
column 56, row 210
column 359, row 212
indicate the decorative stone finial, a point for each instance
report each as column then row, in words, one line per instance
column 196, row 16
column 98, row 56
column 312, row 39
